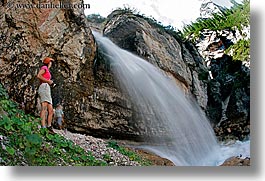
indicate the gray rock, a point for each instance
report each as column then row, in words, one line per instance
column 98, row 149
column 177, row 59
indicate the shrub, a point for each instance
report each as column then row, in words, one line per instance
column 24, row 143
column 238, row 16
column 240, row 50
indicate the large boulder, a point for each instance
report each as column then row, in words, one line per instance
column 179, row 60
column 92, row 106
column 236, row 161
column 110, row 111
column 30, row 34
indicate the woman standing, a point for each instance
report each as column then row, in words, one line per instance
column 44, row 92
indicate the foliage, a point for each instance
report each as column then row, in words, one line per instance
column 95, row 18
column 127, row 9
column 132, row 155
column 240, row 50
column 152, row 21
column 3, row 93
column 237, row 16
column 24, row 143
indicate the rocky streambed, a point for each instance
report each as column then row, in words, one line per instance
column 99, row 149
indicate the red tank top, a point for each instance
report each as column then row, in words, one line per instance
column 47, row 74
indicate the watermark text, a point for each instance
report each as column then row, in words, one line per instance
column 50, row 5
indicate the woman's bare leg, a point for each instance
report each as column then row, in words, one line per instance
column 50, row 114
column 43, row 114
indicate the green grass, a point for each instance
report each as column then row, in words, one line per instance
column 229, row 19
column 24, row 143
column 240, row 50
column 236, row 17
column 95, row 18
column 130, row 154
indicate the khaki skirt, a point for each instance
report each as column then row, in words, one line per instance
column 44, row 92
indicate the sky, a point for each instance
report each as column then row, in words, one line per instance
column 168, row 12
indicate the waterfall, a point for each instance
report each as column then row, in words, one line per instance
column 177, row 129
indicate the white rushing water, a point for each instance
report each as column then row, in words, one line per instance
column 180, row 131
column 238, row 148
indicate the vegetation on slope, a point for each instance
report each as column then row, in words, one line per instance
column 229, row 19
column 95, row 18
column 240, row 50
column 236, row 17
column 22, row 142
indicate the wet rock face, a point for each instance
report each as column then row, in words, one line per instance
column 178, row 60
column 229, row 99
column 92, row 104
column 30, row 34
column 228, row 105
column 109, row 113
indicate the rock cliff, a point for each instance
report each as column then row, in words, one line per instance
column 30, row 34
column 85, row 86
column 228, row 104
column 91, row 101
column 179, row 60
